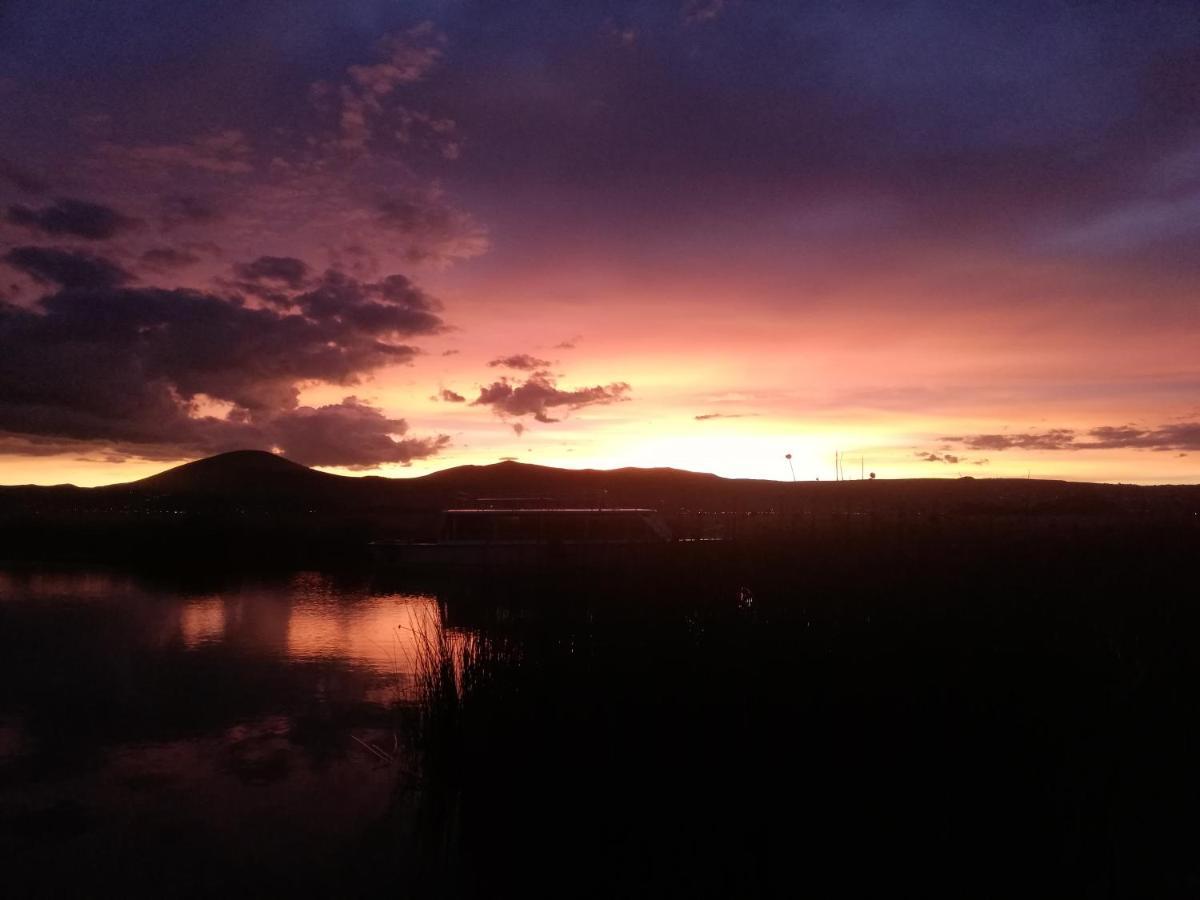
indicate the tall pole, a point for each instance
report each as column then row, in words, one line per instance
column 792, row 468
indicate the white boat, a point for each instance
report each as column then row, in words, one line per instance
column 534, row 538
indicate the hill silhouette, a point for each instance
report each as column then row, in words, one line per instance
column 260, row 478
column 237, row 472
column 255, row 476
column 254, row 502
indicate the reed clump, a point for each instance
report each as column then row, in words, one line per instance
column 963, row 708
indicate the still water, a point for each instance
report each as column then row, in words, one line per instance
column 197, row 736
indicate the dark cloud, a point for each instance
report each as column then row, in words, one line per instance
column 704, row 417
column 74, row 218
column 940, row 457
column 450, row 396
column 134, row 368
column 392, row 305
column 538, row 394
column 1174, row 436
column 451, row 352
column 1054, row 439
column 69, row 268
column 521, row 361
column 350, row 434
column 165, row 258
column 285, row 270
column 388, row 307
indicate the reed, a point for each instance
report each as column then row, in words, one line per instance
column 878, row 704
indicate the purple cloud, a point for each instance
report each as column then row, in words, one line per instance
column 521, row 361
column 539, row 394
column 69, row 268
column 72, row 218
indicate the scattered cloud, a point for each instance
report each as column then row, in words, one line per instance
column 706, row 416
column 940, row 457
column 68, row 268
column 521, row 361
column 66, row 217
column 363, row 105
column 407, row 56
column 1054, row 439
column 1173, row 436
column 450, row 396
column 539, row 394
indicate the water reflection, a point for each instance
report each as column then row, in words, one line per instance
column 196, row 726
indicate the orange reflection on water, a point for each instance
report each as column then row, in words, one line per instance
column 379, row 631
column 202, row 621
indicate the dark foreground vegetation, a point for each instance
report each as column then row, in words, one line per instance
column 943, row 708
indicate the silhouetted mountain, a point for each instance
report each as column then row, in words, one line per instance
column 259, row 478
column 256, row 477
column 257, row 503
column 235, row 473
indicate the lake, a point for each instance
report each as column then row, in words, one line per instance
column 952, row 722
column 185, row 735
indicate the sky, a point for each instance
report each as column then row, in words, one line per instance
column 385, row 237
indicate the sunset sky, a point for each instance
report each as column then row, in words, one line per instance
column 390, row 237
